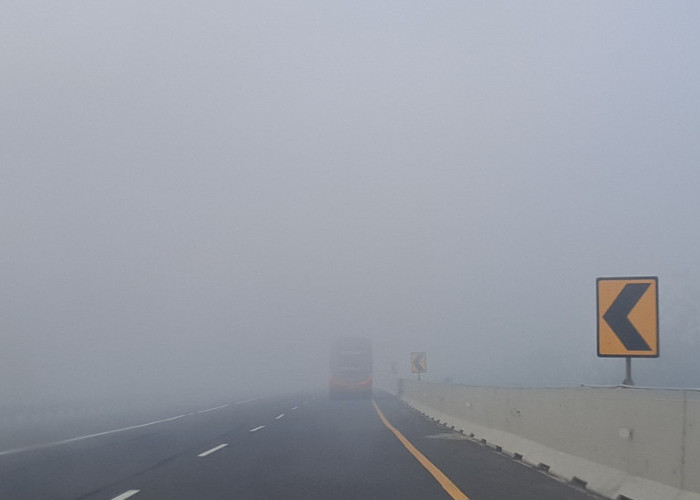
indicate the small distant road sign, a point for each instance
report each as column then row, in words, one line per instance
column 628, row 317
column 419, row 364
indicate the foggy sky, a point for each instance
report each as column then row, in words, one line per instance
column 202, row 194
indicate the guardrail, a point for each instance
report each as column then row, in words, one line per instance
column 622, row 443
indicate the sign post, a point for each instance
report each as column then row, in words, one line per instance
column 628, row 372
column 419, row 364
column 628, row 319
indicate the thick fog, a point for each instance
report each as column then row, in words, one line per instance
column 195, row 197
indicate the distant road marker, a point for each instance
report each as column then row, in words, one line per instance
column 295, row 408
column 279, row 416
column 257, row 428
column 441, row 478
column 126, row 495
column 216, row 448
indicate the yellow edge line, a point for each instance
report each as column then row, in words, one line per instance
column 441, row 478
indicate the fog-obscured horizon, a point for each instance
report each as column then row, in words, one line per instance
column 196, row 197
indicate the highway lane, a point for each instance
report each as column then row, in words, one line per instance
column 292, row 447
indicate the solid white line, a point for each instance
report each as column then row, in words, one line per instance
column 212, row 409
column 247, row 401
column 89, row 436
column 279, row 416
column 209, row 452
column 257, row 428
column 126, row 494
column 80, row 438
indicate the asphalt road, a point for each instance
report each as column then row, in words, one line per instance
column 293, row 447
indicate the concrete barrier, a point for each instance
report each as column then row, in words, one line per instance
column 622, row 443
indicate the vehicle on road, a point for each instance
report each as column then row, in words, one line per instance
column 350, row 368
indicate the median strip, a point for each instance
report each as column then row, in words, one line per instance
column 441, row 478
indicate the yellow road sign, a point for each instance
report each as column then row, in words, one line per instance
column 628, row 317
column 418, row 362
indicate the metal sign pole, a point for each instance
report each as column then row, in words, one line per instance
column 628, row 372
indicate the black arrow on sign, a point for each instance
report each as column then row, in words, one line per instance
column 616, row 317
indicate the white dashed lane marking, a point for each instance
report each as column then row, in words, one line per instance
column 126, row 495
column 216, row 448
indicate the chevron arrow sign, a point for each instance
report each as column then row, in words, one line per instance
column 628, row 317
column 418, row 362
